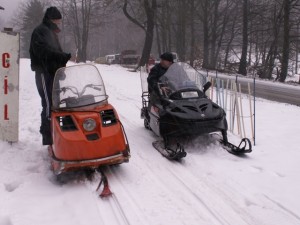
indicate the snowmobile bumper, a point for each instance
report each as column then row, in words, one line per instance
column 179, row 127
column 59, row 166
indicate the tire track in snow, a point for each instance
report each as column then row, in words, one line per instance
column 235, row 199
column 135, row 208
column 110, row 210
column 288, row 211
column 165, row 191
column 158, row 181
column 214, row 204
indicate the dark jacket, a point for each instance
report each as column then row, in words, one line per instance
column 155, row 73
column 45, row 51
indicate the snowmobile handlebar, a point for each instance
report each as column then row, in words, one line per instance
column 206, row 86
column 75, row 91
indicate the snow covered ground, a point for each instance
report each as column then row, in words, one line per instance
column 209, row 186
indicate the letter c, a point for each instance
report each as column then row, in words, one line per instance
column 5, row 60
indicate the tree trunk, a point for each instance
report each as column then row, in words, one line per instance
column 192, row 51
column 243, row 61
column 205, row 35
column 224, row 25
column 158, row 42
column 230, row 41
column 286, row 42
column 150, row 9
column 81, row 26
column 213, row 60
column 297, row 50
column 150, row 13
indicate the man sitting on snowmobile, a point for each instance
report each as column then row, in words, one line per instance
column 166, row 60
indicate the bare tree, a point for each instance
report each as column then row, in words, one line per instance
column 29, row 15
column 288, row 6
column 147, row 23
column 81, row 17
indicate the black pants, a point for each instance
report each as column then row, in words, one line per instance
column 44, row 84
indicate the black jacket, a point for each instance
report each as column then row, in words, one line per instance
column 155, row 73
column 45, row 51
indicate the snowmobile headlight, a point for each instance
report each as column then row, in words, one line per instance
column 89, row 124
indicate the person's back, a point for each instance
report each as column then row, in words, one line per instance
column 155, row 73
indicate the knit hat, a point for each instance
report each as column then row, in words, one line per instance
column 168, row 56
column 52, row 13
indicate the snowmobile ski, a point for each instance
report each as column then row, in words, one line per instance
column 171, row 154
column 106, row 192
column 245, row 146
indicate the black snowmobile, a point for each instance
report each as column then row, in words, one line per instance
column 183, row 110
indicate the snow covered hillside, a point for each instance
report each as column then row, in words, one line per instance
column 209, row 186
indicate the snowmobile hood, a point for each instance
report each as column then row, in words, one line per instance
column 197, row 109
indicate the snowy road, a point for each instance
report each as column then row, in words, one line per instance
column 209, row 187
column 273, row 91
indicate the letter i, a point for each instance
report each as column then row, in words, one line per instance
column 5, row 85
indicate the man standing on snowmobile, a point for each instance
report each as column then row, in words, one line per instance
column 166, row 60
column 46, row 57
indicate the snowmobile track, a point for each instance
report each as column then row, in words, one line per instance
column 130, row 198
column 199, row 206
column 110, row 205
column 118, row 210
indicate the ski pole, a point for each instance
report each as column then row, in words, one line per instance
column 242, row 114
column 251, row 114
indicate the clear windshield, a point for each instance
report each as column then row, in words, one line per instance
column 77, row 86
column 181, row 76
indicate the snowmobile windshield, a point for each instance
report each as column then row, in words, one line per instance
column 183, row 81
column 77, row 86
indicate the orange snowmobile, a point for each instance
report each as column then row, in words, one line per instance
column 86, row 129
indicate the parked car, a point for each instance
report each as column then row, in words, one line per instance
column 175, row 56
column 129, row 57
column 117, row 59
column 109, row 59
